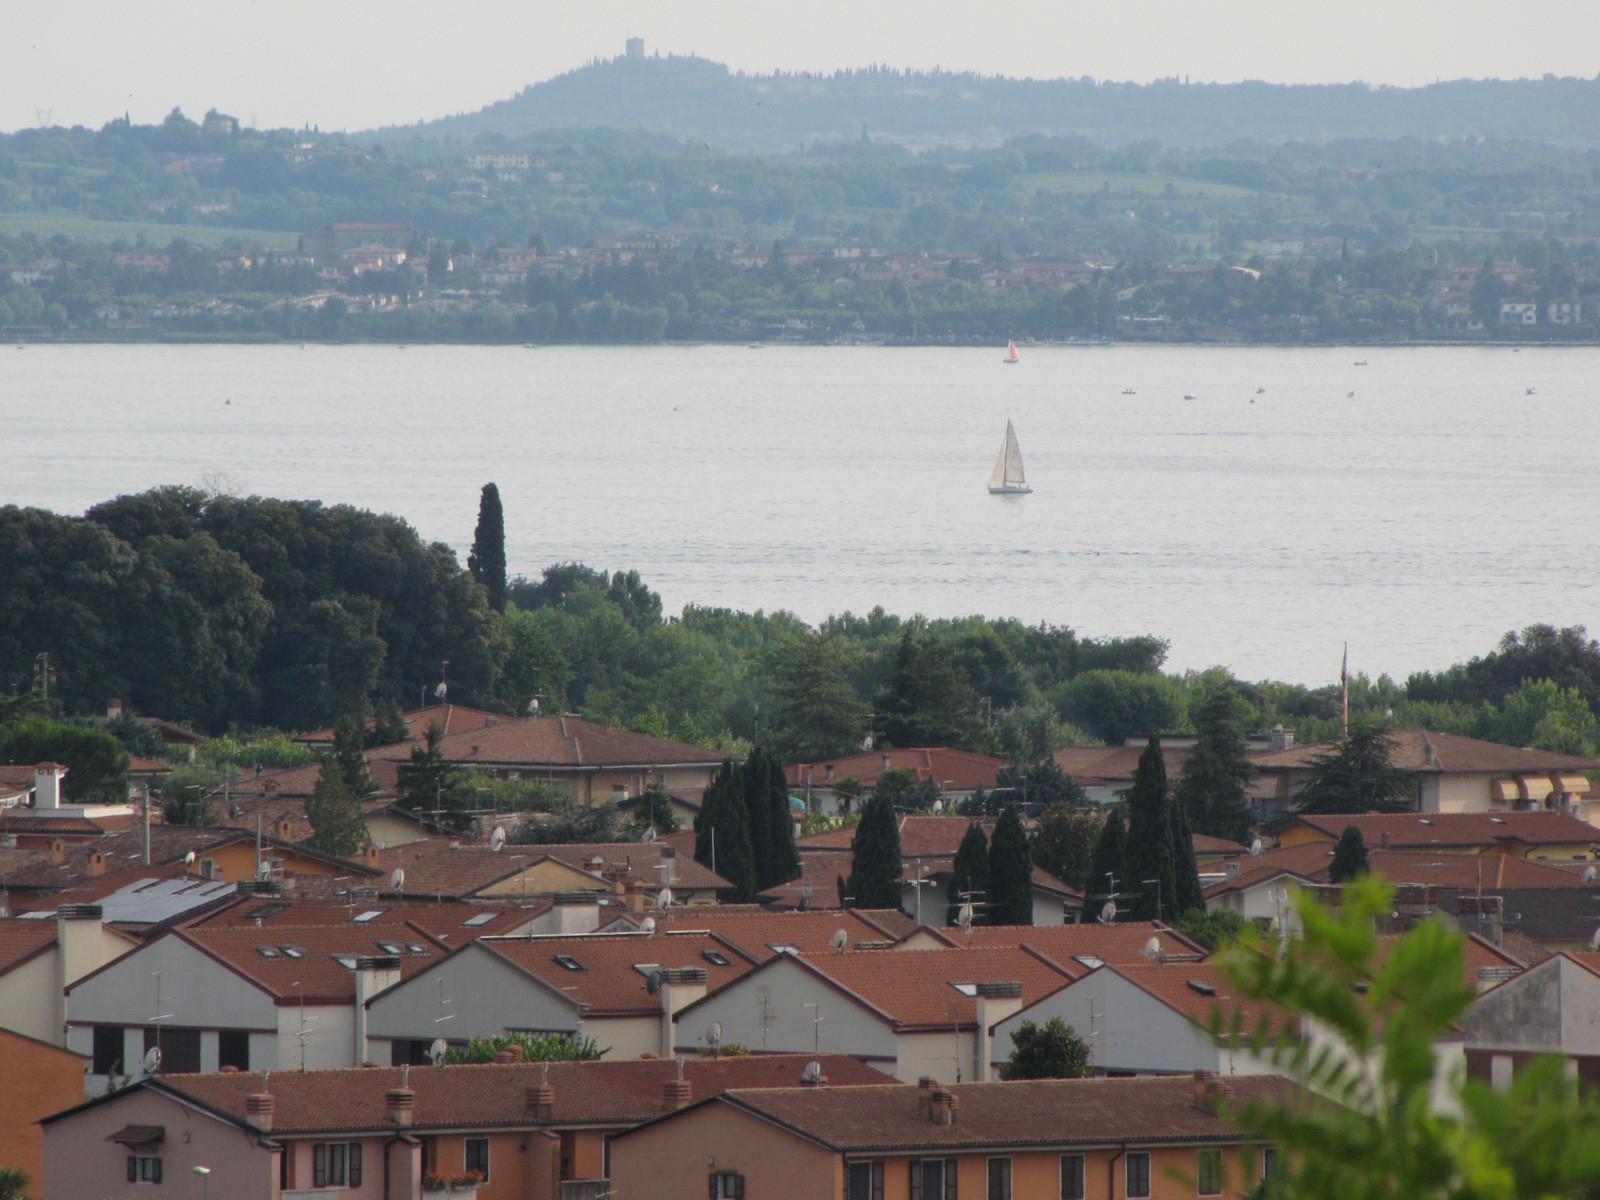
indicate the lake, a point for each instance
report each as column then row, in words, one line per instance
column 1417, row 507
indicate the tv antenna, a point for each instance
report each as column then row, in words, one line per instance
column 437, row 1051
column 649, row 835
column 152, row 1060
column 812, row 1073
column 648, row 925
column 816, row 1025
column 43, row 115
column 652, row 982
column 1255, row 847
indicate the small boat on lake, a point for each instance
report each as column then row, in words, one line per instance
column 1011, row 353
column 1129, row 392
column 1007, row 479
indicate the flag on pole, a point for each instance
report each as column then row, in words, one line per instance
column 1344, row 691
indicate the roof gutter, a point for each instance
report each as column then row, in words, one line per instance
column 1111, row 1172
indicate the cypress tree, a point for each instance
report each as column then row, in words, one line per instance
column 1349, row 856
column 782, row 855
column 348, row 746
column 1106, row 871
column 335, row 814
column 1010, row 871
column 1188, row 895
column 1214, row 789
column 487, row 562
column 722, row 830
column 1150, row 851
column 875, row 858
column 969, row 873
column 753, row 780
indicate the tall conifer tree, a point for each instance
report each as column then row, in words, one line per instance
column 875, row 858
column 348, row 747
column 335, row 814
column 1107, row 872
column 487, row 562
column 969, row 873
column 1010, row 871
column 1149, row 861
column 722, row 833
column 1188, row 895
column 1214, row 789
column 1349, row 856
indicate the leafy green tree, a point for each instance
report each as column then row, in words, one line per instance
column 487, row 562
column 1358, row 777
column 1039, row 785
column 388, row 726
column 337, row 823
column 1028, row 734
column 189, row 793
column 1214, row 789
column 1053, row 1051
column 535, row 1047
column 928, row 701
column 431, row 783
column 1150, row 852
column 1010, row 871
column 1381, row 1011
column 569, row 822
column 1116, row 705
column 349, row 753
column 97, row 765
column 969, row 873
column 1108, row 873
column 1211, row 928
column 1064, row 843
column 137, row 738
column 1349, row 856
column 1542, row 714
column 722, row 833
column 875, row 863
column 13, row 1184
column 819, row 714
column 655, row 810
column 535, row 666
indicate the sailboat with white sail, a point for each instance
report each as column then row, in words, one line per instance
column 1007, row 478
column 1012, row 356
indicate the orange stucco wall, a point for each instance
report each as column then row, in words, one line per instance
column 40, row 1080
column 238, row 861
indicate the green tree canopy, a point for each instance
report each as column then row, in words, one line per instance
column 969, row 874
column 777, row 860
column 1151, row 849
column 1214, row 789
column 487, row 561
column 819, row 713
column 875, row 864
column 928, row 701
column 1064, row 843
column 1010, row 871
column 338, row 826
column 1116, row 705
column 97, row 765
column 1108, row 873
column 349, row 752
column 1051, row 1051
column 1349, row 856
column 431, row 783
column 722, row 833
column 1358, row 776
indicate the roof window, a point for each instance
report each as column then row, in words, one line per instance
column 268, row 952
column 265, row 911
column 416, row 947
column 570, row 963
column 1090, row 961
column 391, row 947
column 293, row 951
column 1205, row 989
column 372, row 914
column 716, row 958
column 347, row 961
column 481, row 919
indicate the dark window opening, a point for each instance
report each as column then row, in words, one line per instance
column 1072, row 1177
column 477, row 1156
column 233, row 1049
column 1138, row 1176
column 108, row 1050
column 180, row 1048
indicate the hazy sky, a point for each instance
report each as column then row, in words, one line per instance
column 350, row 64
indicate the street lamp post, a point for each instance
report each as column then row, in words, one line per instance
column 205, row 1182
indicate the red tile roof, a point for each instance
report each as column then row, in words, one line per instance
column 558, row 742
column 446, row 922
column 1451, row 754
column 1107, row 765
column 1119, row 942
column 1404, row 831
column 1046, row 1112
column 450, row 718
column 957, row 770
column 458, row 867
column 920, row 836
column 754, row 932
column 1215, row 847
column 1493, row 872
column 608, row 1094
column 21, row 939
column 608, row 982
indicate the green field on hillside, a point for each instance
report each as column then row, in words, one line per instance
column 156, row 234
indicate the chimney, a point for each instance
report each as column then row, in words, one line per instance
column 373, row 975
column 1384, row 840
column 669, row 865
column 1230, row 869
column 576, row 912
column 511, row 1054
column 1202, row 1081
column 113, row 709
column 943, row 1107
column 676, row 1094
column 79, row 949
column 995, row 1002
column 58, row 852
column 402, row 1105
column 925, row 1086
column 1280, row 738
column 286, row 830
column 1218, row 1094
column 371, row 853
column 95, row 864
column 633, row 895
column 491, row 720
column 540, row 1098
column 259, row 1108
column 885, row 762
column 47, row 785
column 680, row 987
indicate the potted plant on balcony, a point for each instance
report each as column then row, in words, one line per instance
column 468, row 1183
column 432, row 1181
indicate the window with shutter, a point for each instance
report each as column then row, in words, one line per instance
column 1208, row 1172
column 133, row 1169
column 949, row 1179
column 877, row 1181
column 319, row 1166
column 999, row 1179
column 916, row 1181
column 1138, row 1175
column 1072, row 1177
column 477, row 1156
column 353, row 1172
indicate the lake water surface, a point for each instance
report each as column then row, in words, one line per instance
column 1419, row 518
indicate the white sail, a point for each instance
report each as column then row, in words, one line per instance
column 1007, row 475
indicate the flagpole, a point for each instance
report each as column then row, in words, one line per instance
column 1344, row 691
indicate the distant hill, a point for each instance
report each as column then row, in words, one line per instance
column 699, row 101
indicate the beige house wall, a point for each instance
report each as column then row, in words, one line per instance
column 669, row 1161
column 28, row 1001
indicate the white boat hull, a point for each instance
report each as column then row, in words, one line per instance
column 1009, row 490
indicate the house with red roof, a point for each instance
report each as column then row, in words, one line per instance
column 40, row 955
column 529, row 1131
column 1550, row 1008
column 1125, row 1138
column 1555, row 836
column 956, row 773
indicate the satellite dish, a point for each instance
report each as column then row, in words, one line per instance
column 714, row 1033
column 437, row 1051
column 652, row 982
column 664, row 898
column 497, row 839
column 839, row 940
column 1274, row 924
column 263, row 870
column 648, row 924
column 866, row 742
column 938, row 807
column 1594, row 939
column 812, row 1073
column 152, row 1060
column 1255, row 847
column 964, row 915
column 397, row 879
column 188, row 859
column 1108, row 912
column 1152, row 949
column 649, row 835
column 441, row 691
column 1588, row 874
column 533, row 707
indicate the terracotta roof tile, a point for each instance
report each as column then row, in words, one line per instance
column 558, row 741
column 1120, row 942
column 958, row 770
column 450, row 718
column 460, row 867
column 22, row 938
column 1452, row 753
column 920, row 836
column 755, row 932
column 1102, row 765
column 1051, row 1112
column 1493, row 872
column 1174, row 985
column 1404, row 831
column 609, row 1094
column 447, row 921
